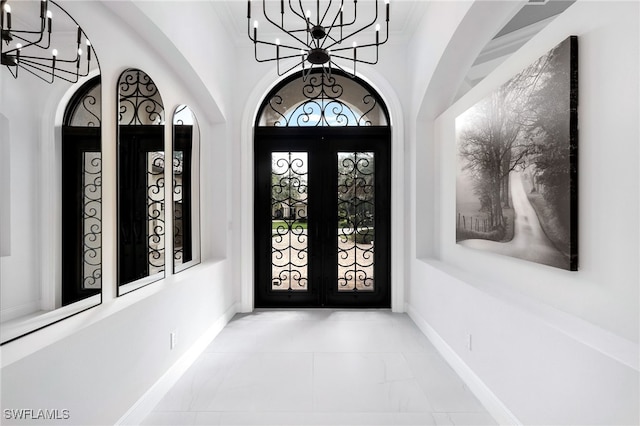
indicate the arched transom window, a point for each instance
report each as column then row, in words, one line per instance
column 324, row 100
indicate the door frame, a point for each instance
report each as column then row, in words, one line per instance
column 243, row 234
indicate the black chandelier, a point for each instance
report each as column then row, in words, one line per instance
column 317, row 41
column 28, row 49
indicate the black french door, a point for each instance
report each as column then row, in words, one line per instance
column 322, row 217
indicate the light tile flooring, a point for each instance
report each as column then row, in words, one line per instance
column 320, row 367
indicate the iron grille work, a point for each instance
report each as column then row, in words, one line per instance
column 356, row 221
column 84, row 108
column 140, row 101
column 92, row 221
column 178, row 214
column 155, row 212
column 323, row 100
column 289, row 241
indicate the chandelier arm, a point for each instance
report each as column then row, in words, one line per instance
column 14, row 75
column 42, row 26
column 28, row 66
column 30, row 42
column 320, row 21
column 297, row 31
column 355, row 15
column 24, row 31
column 293, row 67
column 286, row 32
column 360, row 61
column 352, row 75
column 44, row 67
column 268, row 43
column 264, row 12
column 58, row 60
column 328, row 35
column 360, row 47
column 297, row 49
column 285, row 57
column 295, row 11
column 359, row 30
column 273, row 59
column 302, row 10
column 386, row 39
column 366, row 45
column 66, row 61
column 29, row 71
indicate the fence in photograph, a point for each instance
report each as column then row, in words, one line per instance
column 471, row 223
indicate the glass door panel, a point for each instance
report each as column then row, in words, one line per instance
column 356, row 221
column 289, row 238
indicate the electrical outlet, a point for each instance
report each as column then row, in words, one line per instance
column 174, row 339
column 469, row 342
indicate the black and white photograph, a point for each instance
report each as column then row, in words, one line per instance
column 516, row 187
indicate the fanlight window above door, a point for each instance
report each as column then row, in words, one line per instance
column 323, row 100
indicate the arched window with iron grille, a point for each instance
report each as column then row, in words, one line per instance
column 82, row 194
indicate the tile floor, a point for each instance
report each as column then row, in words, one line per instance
column 320, row 367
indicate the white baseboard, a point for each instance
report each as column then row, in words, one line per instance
column 491, row 402
column 143, row 407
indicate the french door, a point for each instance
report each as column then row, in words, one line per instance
column 322, row 217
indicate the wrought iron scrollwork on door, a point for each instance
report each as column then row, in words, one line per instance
column 356, row 221
column 289, row 242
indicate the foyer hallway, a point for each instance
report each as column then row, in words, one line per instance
column 320, row 367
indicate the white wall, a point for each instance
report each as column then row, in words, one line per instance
column 97, row 364
column 19, row 271
column 549, row 346
column 27, row 221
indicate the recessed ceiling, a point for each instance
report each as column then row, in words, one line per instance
column 525, row 24
column 534, row 12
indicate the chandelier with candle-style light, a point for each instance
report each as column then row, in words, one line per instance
column 316, row 36
column 31, row 49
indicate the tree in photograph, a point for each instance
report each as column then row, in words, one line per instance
column 495, row 140
column 550, row 128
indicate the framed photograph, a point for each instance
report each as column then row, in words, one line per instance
column 517, row 180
